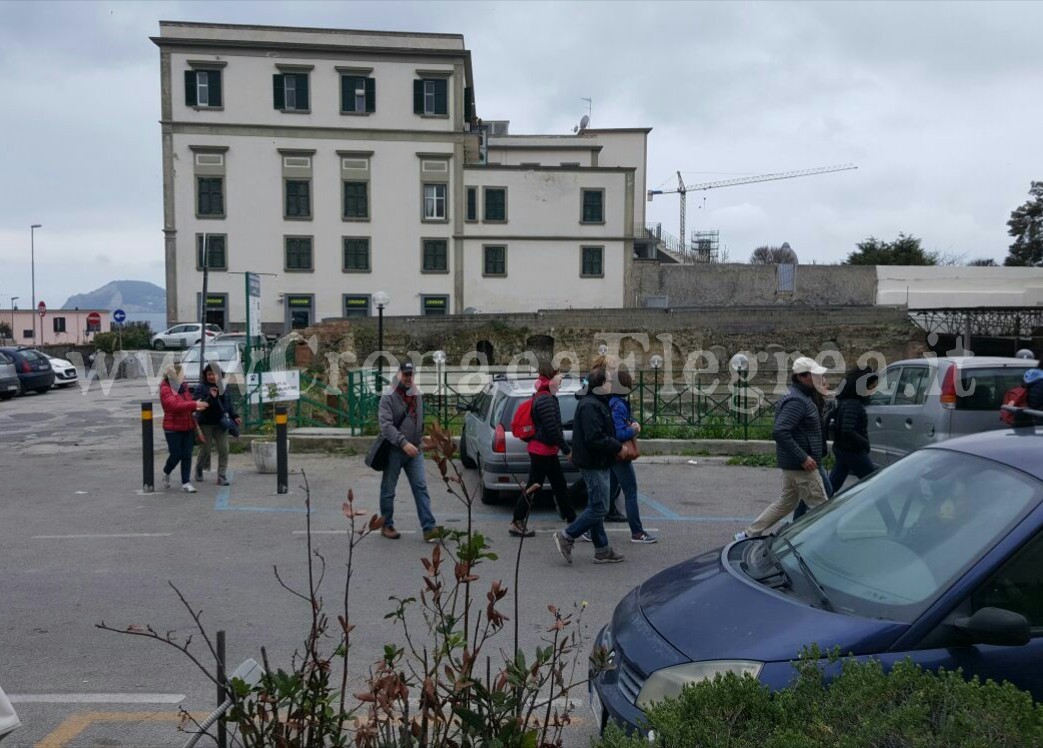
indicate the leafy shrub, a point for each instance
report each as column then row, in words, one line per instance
column 862, row 706
column 136, row 336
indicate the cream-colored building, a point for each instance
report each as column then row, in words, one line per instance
column 342, row 163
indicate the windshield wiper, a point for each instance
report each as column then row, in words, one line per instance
column 808, row 573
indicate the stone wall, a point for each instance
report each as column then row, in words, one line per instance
column 750, row 285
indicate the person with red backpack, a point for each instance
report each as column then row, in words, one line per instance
column 1034, row 389
column 541, row 422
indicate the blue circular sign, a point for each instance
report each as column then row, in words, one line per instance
column 119, row 316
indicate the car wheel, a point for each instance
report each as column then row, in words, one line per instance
column 466, row 459
column 42, row 390
column 6, row 395
column 158, row 345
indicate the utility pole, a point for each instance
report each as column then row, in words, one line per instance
column 32, row 262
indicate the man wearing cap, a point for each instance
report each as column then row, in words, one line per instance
column 401, row 418
column 799, row 447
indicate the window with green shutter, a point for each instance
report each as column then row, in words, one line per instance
column 298, row 253
column 290, row 91
column 356, row 200
column 436, row 256
column 495, row 202
column 356, row 254
column 298, row 198
column 358, row 94
column 203, row 88
column 218, row 255
column 593, row 262
column 593, row 210
column 431, row 97
column 494, row 260
column 210, row 196
column 472, row 204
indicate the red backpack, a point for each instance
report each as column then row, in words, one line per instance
column 1016, row 396
column 522, row 424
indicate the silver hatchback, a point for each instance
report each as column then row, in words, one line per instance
column 925, row 401
column 487, row 444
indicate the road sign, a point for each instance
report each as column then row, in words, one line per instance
column 42, row 308
column 119, row 317
column 253, row 306
column 94, row 320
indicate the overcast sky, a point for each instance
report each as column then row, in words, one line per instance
column 939, row 104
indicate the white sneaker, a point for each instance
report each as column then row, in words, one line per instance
column 741, row 535
column 166, row 480
column 188, row 488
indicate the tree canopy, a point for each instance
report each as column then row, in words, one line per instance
column 905, row 250
column 772, row 255
column 1026, row 226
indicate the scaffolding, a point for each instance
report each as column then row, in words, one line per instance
column 705, row 246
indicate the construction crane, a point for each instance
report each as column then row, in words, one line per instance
column 683, row 189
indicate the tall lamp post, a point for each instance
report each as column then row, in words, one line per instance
column 32, row 262
column 381, row 299
column 439, row 357
column 13, row 307
column 657, row 364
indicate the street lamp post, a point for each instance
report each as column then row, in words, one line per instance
column 32, row 262
column 381, row 299
column 13, row 308
column 439, row 357
column 657, row 364
column 740, row 364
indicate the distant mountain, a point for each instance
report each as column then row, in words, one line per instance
column 129, row 295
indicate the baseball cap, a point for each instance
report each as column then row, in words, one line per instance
column 406, row 367
column 805, row 365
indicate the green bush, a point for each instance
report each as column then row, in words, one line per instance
column 136, row 336
column 863, row 706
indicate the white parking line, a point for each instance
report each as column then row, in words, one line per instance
column 341, row 532
column 607, row 529
column 99, row 537
column 96, row 698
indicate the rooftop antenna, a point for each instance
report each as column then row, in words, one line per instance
column 585, row 122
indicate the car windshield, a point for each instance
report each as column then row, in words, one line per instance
column 214, row 352
column 889, row 546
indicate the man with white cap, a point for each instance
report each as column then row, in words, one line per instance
column 799, row 447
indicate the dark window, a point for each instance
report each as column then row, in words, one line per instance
column 593, row 206
column 983, row 389
column 593, row 262
column 59, row 324
column 356, row 200
column 356, row 254
column 436, row 256
column 210, row 192
column 300, row 311
column 356, row 306
column 431, row 96
column 435, row 306
column 298, row 198
column 1018, row 587
column 298, row 253
column 495, row 261
column 358, row 94
column 495, row 204
column 472, row 203
column 203, row 88
column 290, row 91
column 218, row 256
column 912, row 387
column 29, row 333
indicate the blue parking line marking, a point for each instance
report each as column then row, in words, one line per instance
column 665, row 511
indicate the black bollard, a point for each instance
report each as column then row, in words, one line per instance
column 282, row 480
column 148, row 468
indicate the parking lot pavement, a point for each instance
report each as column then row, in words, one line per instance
column 81, row 545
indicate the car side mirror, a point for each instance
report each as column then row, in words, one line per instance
column 464, row 407
column 995, row 626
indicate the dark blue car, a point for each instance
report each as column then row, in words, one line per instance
column 938, row 558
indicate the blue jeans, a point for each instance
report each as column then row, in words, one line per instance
column 593, row 517
column 414, row 468
column 849, row 462
column 180, row 444
column 624, row 477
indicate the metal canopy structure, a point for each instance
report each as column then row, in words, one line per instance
column 995, row 322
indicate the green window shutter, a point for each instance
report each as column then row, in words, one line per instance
column 418, row 97
column 302, row 91
column 278, row 92
column 468, row 104
column 442, row 96
column 472, row 203
column 347, row 93
column 371, row 94
column 190, row 88
column 214, row 82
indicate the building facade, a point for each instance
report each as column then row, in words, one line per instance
column 56, row 327
column 337, row 164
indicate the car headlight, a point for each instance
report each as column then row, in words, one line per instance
column 669, row 682
column 607, row 640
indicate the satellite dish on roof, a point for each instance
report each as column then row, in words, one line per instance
column 582, row 124
column 472, row 310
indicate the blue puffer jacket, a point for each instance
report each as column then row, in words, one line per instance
column 621, row 418
column 798, row 429
column 1034, row 384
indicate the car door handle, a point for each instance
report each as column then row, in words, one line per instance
column 908, row 423
column 879, row 422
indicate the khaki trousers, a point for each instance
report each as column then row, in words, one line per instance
column 797, row 485
column 217, row 437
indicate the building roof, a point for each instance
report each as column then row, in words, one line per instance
column 407, row 40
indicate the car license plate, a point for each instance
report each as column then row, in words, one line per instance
column 597, row 708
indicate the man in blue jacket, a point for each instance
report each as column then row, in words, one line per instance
column 799, row 448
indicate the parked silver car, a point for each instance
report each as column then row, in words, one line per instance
column 9, row 383
column 487, row 443
column 226, row 354
column 925, row 401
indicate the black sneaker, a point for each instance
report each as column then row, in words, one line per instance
column 564, row 545
column 607, row 556
column 615, row 517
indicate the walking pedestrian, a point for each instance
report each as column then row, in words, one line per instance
column 544, row 464
column 217, row 422
column 820, row 403
column 623, row 476
column 1033, row 380
column 594, row 451
column 179, row 426
column 799, row 448
column 401, row 417
column 851, row 429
